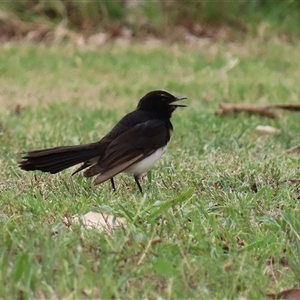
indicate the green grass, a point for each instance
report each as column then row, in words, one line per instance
column 221, row 199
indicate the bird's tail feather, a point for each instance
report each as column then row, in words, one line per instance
column 54, row 160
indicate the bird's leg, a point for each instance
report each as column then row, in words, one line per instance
column 113, row 184
column 136, row 178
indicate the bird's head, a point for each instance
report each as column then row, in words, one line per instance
column 160, row 102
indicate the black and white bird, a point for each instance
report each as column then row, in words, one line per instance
column 133, row 146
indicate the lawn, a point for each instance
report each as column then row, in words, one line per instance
column 220, row 215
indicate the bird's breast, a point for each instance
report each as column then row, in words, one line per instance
column 144, row 165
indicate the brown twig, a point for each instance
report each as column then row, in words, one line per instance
column 290, row 107
column 254, row 109
column 262, row 110
column 293, row 149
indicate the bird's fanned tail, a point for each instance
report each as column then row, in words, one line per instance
column 54, row 160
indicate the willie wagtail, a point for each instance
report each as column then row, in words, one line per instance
column 132, row 146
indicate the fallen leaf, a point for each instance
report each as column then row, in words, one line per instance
column 265, row 130
column 156, row 240
column 228, row 266
column 99, row 221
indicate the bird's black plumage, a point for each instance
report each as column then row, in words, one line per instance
column 133, row 145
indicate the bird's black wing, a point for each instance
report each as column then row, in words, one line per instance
column 130, row 147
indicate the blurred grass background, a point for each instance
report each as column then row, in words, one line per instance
column 159, row 17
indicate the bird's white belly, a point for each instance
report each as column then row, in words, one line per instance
column 144, row 165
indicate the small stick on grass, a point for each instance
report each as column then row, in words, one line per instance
column 293, row 149
column 290, row 107
column 254, row 109
column 262, row 110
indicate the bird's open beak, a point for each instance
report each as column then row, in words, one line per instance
column 178, row 105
